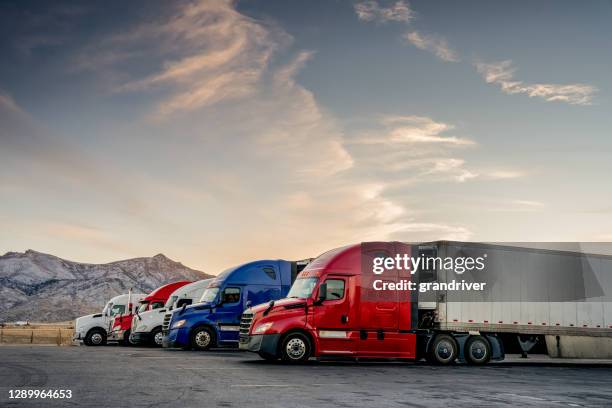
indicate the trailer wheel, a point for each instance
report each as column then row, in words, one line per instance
column 296, row 348
column 477, row 350
column 444, row 350
column 95, row 337
column 157, row 337
column 202, row 338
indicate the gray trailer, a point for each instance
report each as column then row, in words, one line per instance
column 562, row 298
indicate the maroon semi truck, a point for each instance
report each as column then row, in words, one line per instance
column 334, row 310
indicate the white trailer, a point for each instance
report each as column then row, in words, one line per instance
column 92, row 329
column 147, row 326
column 560, row 299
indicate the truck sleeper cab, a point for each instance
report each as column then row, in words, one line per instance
column 92, row 329
column 328, row 313
column 120, row 327
column 215, row 321
column 147, row 325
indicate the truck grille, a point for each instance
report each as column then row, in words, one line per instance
column 166, row 323
column 245, row 326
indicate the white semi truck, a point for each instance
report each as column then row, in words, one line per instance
column 147, row 326
column 92, row 329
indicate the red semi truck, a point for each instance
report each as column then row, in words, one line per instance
column 332, row 309
column 120, row 327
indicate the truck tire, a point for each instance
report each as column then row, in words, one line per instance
column 95, row 337
column 444, row 350
column 156, row 337
column 126, row 339
column 202, row 338
column 296, row 348
column 477, row 350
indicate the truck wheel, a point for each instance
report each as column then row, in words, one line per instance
column 477, row 350
column 126, row 339
column 202, row 338
column 296, row 348
column 95, row 337
column 444, row 350
column 157, row 337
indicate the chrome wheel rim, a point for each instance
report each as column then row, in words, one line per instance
column 202, row 338
column 444, row 350
column 96, row 338
column 296, row 348
column 158, row 338
column 478, row 351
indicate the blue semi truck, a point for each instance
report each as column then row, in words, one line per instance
column 215, row 320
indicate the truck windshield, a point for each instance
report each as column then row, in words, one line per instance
column 143, row 307
column 209, row 295
column 302, row 288
column 170, row 302
column 117, row 309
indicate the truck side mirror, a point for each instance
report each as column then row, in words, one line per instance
column 322, row 293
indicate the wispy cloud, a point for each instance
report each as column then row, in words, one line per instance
column 434, row 44
column 207, row 51
column 416, row 130
column 419, row 148
column 502, row 73
column 373, row 11
column 518, row 206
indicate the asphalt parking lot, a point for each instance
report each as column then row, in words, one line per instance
column 144, row 377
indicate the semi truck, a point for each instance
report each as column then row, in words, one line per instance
column 560, row 301
column 120, row 326
column 147, row 326
column 92, row 330
column 215, row 320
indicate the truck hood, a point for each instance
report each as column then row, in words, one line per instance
column 278, row 303
column 84, row 320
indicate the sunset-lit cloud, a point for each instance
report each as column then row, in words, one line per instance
column 502, row 73
column 398, row 11
column 434, row 44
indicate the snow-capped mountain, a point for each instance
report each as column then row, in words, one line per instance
column 44, row 288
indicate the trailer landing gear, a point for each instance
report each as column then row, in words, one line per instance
column 526, row 343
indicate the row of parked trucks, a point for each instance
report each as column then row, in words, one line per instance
column 320, row 308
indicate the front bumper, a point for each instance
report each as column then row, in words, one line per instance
column 140, row 338
column 116, row 335
column 176, row 338
column 77, row 336
column 260, row 343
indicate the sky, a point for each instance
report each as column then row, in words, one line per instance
column 218, row 132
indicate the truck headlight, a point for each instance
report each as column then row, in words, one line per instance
column 178, row 324
column 141, row 328
column 262, row 328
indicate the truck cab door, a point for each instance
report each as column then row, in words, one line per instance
column 228, row 313
column 333, row 318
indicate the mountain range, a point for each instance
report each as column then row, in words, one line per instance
column 44, row 288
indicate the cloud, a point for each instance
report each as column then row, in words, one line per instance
column 502, row 74
column 416, row 130
column 204, row 53
column 372, row 11
column 519, row 206
column 418, row 148
column 434, row 44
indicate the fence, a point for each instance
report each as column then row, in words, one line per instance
column 60, row 336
